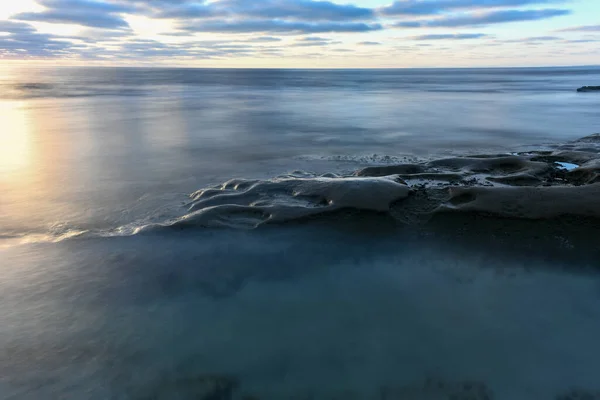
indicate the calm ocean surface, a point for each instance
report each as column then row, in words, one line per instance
column 348, row 307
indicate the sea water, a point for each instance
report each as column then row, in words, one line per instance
column 342, row 306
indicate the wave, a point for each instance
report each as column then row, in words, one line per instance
column 531, row 185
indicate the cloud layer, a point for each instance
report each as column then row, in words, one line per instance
column 266, row 28
column 22, row 39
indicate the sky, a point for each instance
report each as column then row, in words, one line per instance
column 301, row 33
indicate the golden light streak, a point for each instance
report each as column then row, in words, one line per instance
column 15, row 139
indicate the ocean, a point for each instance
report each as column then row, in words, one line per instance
column 223, row 234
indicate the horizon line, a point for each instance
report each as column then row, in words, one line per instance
column 41, row 63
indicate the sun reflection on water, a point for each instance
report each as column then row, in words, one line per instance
column 15, row 139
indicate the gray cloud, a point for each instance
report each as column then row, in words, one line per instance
column 367, row 43
column 532, row 39
column 581, row 41
column 13, row 27
column 430, row 7
column 88, row 5
column 305, row 10
column 299, row 9
column 264, row 16
column 177, row 34
column 279, row 26
column 542, row 38
column 185, row 10
column 264, row 39
column 21, row 39
column 75, row 17
column 488, row 18
column 450, row 36
column 582, row 28
column 90, row 13
column 312, row 41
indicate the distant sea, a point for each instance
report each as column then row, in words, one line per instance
column 103, row 298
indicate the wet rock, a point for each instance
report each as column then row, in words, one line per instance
column 588, row 173
column 387, row 170
column 589, row 89
column 517, row 180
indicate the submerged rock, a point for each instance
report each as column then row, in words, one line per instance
column 589, row 89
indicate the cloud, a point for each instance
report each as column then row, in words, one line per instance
column 87, row 5
column 542, row 38
column 450, row 36
column 262, row 16
column 312, row 41
column 264, row 39
column 307, row 10
column 582, row 41
column 279, row 26
column 185, row 10
column 531, row 39
column 20, row 39
column 74, row 17
column 298, row 10
column 582, row 28
column 260, row 24
column 431, row 7
column 487, row 18
column 90, row 13
column 13, row 27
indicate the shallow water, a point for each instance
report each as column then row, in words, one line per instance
column 343, row 306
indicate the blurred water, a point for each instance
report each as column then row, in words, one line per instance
column 331, row 308
column 328, row 311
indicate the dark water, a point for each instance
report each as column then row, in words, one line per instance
column 348, row 306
